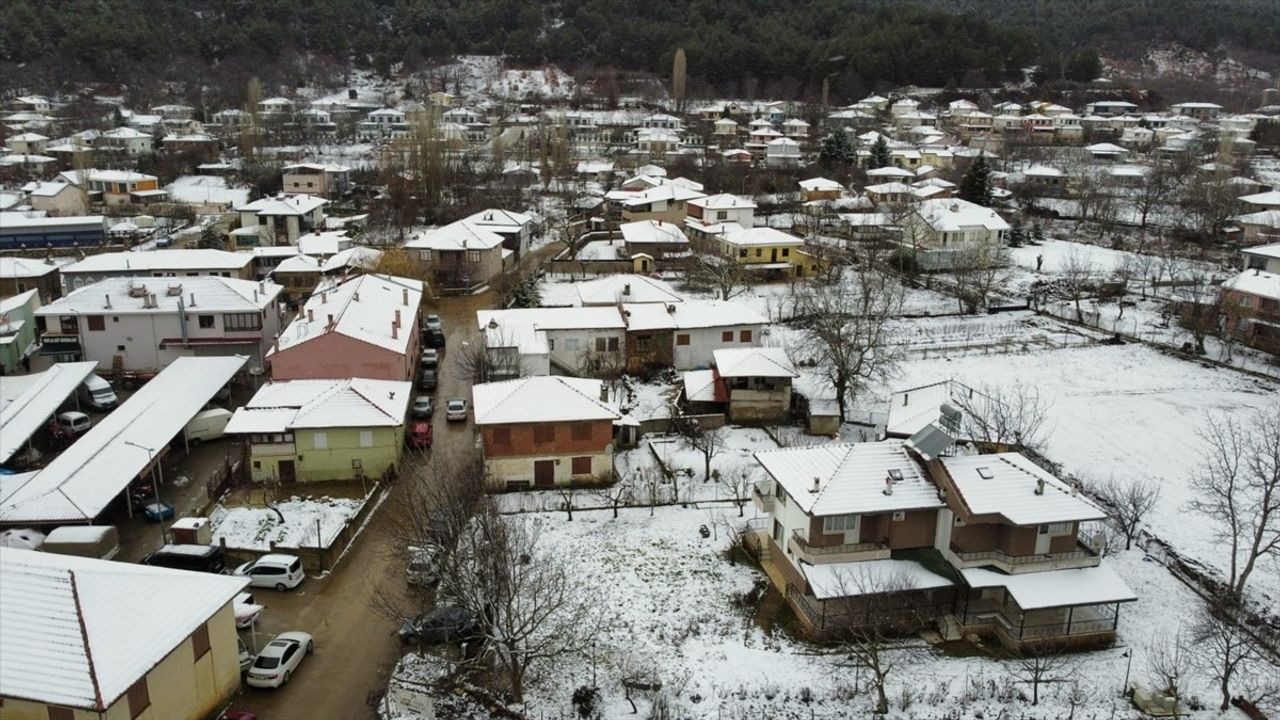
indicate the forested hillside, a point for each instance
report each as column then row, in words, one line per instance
column 732, row 45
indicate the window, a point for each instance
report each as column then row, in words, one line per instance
column 544, row 433
column 726, row 336
column 501, row 436
column 95, row 322
column 257, row 464
column 551, row 343
column 786, row 252
column 366, row 438
column 839, row 523
column 426, row 256
column 899, row 516
column 473, row 256
column 119, row 348
column 580, row 431
column 759, row 252
column 582, row 466
column 1058, row 528
column 745, row 336
column 357, row 464
column 200, row 641
column 779, row 493
column 742, row 253
column 320, row 441
column 722, row 214
column 613, row 344
column 601, row 344
column 242, row 321
column 139, row 698
column 643, row 343
column 682, row 339
column 206, row 322
column 61, row 713
column 572, row 344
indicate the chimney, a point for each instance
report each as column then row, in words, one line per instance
column 193, row 300
column 356, row 296
column 108, row 296
column 493, row 323
column 604, row 393
column 395, row 331
column 324, row 298
column 626, row 289
column 311, row 315
column 888, row 485
column 397, row 320
column 817, row 482
column 1040, row 486
column 329, row 324
column 671, row 309
column 255, row 296
column 404, row 297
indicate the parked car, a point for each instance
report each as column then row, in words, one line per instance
column 97, row 393
column 433, row 339
column 432, row 322
column 164, row 241
column 246, row 610
column 430, row 357
column 423, row 406
column 420, row 435
column 455, row 409
column 445, row 623
column 427, row 381
column 280, row 659
column 201, row 558
column 279, row 571
column 73, row 422
column 95, row 541
column 207, row 425
column 422, row 569
column 158, row 511
column 246, row 658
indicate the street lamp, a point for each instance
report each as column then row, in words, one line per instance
column 155, row 484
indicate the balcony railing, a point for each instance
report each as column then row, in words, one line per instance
column 1081, row 556
column 832, row 553
column 762, row 496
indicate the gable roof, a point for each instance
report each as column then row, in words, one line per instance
column 203, row 293
column 955, row 215
column 611, row 289
column 460, row 235
column 541, row 398
column 152, row 260
column 284, row 205
column 1255, row 282
column 363, row 308
column 1005, row 484
column 349, row 402
column 845, row 478
column 754, row 362
column 16, row 267
column 79, row 632
column 690, row 315
column 761, row 236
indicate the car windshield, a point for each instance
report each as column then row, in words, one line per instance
column 456, row 404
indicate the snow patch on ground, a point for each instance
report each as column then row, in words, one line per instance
column 252, row 528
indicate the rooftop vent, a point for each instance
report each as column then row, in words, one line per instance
column 1040, row 486
column 174, row 289
column 817, row 483
column 985, row 473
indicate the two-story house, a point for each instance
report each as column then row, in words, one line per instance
column 169, row 263
column 461, row 255
column 120, row 187
column 544, row 431
column 751, row 385
column 515, row 229
column 278, row 220
column 145, row 323
column 718, row 214
column 939, row 230
column 573, row 340
column 654, row 238
column 321, row 430
column 1264, row 228
column 686, row 335
column 18, row 275
column 664, row 201
column 327, row 180
column 125, row 140
column 1250, row 307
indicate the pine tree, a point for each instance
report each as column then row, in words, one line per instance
column 975, row 186
column 836, row 149
column 1037, row 235
column 880, row 156
column 1017, row 236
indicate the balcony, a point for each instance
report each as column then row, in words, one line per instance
column 799, row 545
column 1081, row 557
column 762, row 496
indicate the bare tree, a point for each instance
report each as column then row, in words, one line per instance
column 567, row 492
column 1156, row 189
column 874, row 610
column 1009, row 416
column 708, row 441
column 1129, row 501
column 1238, row 489
column 977, row 272
column 1168, row 667
column 845, row 331
column 1201, row 305
column 1224, row 646
column 725, row 276
column 494, row 357
column 738, row 480
column 532, row 611
column 621, row 493
column 1043, row 667
column 1078, row 271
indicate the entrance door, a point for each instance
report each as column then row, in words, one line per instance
column 773, row 255
column 1042, row 540
column 544, row 473
column 286, row 472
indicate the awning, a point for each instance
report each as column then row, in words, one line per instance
column 1055, row 588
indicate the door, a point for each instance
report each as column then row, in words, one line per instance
column 773, row 255
column 286, row 472
column 544, row 473
column 1042, row 540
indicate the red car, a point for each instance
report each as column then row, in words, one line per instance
column 420, row 434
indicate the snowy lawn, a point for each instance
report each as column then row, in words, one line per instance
column 1121, row 411
column 253, row 528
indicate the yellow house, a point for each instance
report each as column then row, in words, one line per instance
column 770, row 252
column 87, row 638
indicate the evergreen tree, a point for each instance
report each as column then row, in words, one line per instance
column 880, row 156
column 837, row 149
column 1017, row 236
column 1037, row 235
column 975, row 186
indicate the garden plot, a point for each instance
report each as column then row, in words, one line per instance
column 1124, row 411
column 253, row 528
column 674, row 616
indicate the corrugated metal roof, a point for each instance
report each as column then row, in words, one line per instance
column 849, row 478
column 542, row 398
column 1005, row 484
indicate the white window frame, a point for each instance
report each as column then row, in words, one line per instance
column 838, row 524
column 1056, row 529
column 899, row 515
column 320, row 440
column 366, row 438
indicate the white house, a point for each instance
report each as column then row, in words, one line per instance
column 718, row 214
column 782, row 153
column 127, row 140
column 569, row 340
column 170, row 263
column 686, row 335
column 938, row 229
column 278, row 220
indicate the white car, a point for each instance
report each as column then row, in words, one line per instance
column 279, row 659
column 282, row 572
column 455, row 410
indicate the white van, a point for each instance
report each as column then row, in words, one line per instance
column 207, row 425
column 94, row 541
column 97, row 393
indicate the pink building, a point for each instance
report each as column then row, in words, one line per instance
column 366, row 327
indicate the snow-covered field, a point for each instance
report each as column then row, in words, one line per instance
column 256, row 528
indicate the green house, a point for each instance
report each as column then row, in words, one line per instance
column 324, row 430
column 17, row 329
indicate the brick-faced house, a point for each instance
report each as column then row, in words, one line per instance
column 544, row 431
column 1251, row 309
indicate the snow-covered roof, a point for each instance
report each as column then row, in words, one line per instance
column 690, row 315
column 573, row 318
column 284, row 205
column 848, row 478
column 1106, row 149
column 1269, row 251
column 890, row 188
column 703, row 386
column 160, row 260
column 753, row 362
column 911, row 409
column 820, row 184
column 16, row 267
column 79, row 484
column 28, row 401
column 125, row 133
column 1055, row 588
column 1006, row 484
column 611, row 289
column 507, row 220
column 205, row 293
column 1265, row 218
column 350, row 402
column 1265, row 199
column 869, row 577
column 323, row 243
column 652, row 232
column 722, row 201
column 541, row 398
column 889, row 171
column 956, row 215
column 1043, row 171
column 46, row 189
column 456, row 236
column 297, row 264
column 363, row 308
column 197, row 189
column 365, row 258
column 760, row 236
column 1255, row 282
column 79, row 632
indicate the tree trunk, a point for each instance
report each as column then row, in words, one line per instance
column 882, row 701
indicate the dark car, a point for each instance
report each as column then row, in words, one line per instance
column 427, row 381
column 201, row 558
column 446, row 623
column 433, row 339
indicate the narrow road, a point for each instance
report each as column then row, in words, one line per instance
column 356, row 647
